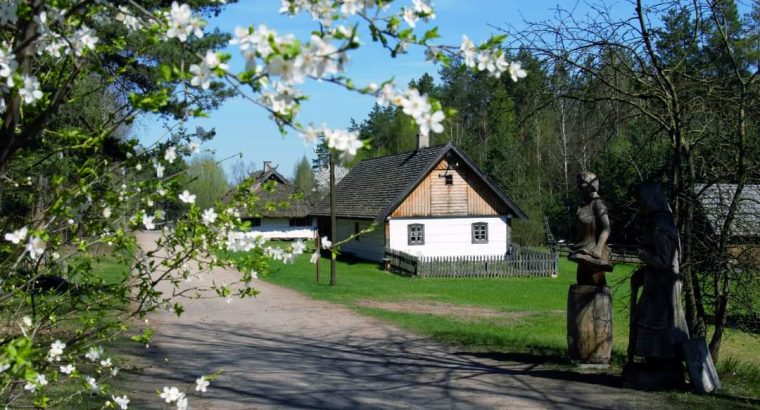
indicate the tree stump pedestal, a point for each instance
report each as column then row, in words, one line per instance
column 589, row 324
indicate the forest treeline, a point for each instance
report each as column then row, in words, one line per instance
column 669, row 93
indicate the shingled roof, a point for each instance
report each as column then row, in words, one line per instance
column 280, row 196
column 715, row 200
column 376, row 186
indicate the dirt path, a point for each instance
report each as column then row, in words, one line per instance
column 283, row 350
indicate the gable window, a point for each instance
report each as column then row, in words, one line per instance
column 416, row 234
column 480, row 232
column 449, row 179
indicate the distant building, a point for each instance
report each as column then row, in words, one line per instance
column 278, row 214
column 433, row 201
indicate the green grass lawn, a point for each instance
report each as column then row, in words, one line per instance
column 532, row 319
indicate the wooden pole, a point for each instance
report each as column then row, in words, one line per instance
column 333, row 219
column 318, row 244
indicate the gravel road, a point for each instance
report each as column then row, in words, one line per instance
column 284, row 350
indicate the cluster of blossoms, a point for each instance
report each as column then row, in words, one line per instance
column 53, row 39
column 414, row 105
column 493, row 61
column 179, row 398
column 35, row 247
column 181, row 22
column 344, row 141
column 203, row 72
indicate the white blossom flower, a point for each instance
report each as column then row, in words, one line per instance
column 290, row 70
column 106, row 362
column 468, row 51
column 201, row 384
column 298, row 247
column 147, row 221
column 516, row 71
column 201, row 76
column 17, row 236
column 131, row 22
column 386, row 95
column 422, row 7
column 8, row 64
column 431, row 122
column 187, row 197
column 41, row 380
column 314, row 257
column 94, row 353
column 182, row 403
column 326, row 244
column 106, row 212
column 254, row 274
column 83, row 39
column 122, row 401
column 92, row 384
column 182, row 23
column 67, row 369
column 171, row 394
column 30, row 92
column 35, row 247
column 170, row 154
column 410, row 17
column 414, row 104
column 56, row 350
column 209, row 216
column 310, row 134
column 30, row 387
column 159, row 170
column 194, row 148
column 4, row 367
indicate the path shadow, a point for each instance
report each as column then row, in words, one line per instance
column 295, row 371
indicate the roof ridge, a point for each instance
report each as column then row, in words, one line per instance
column 404, row 153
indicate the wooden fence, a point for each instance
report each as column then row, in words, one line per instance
column 618, row 253
column 521, row 262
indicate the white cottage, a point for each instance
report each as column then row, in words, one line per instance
column 433, row 201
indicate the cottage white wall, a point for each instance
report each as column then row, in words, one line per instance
column 451, row 236
column 370, row 246
column 279, row 228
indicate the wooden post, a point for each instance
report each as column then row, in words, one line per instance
column 333, row 219
column 318, row 244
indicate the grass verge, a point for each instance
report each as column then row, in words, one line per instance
column 530, row 316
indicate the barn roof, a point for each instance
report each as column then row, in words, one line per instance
column 375, row 187
column 715, row 200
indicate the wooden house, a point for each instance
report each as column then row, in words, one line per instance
column 744, row 234
column 279, row 215
column 433, row 201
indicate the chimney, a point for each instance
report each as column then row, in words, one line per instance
column 267, row 166
column 423, row 141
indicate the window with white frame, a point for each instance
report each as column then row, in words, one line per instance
column 480, row 232
column 416, row 234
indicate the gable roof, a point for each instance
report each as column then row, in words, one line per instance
column 281, row 193
column 376, row 186
column 266, row 175
column 715, row 200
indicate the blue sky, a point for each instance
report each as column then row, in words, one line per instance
column 243, row 128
